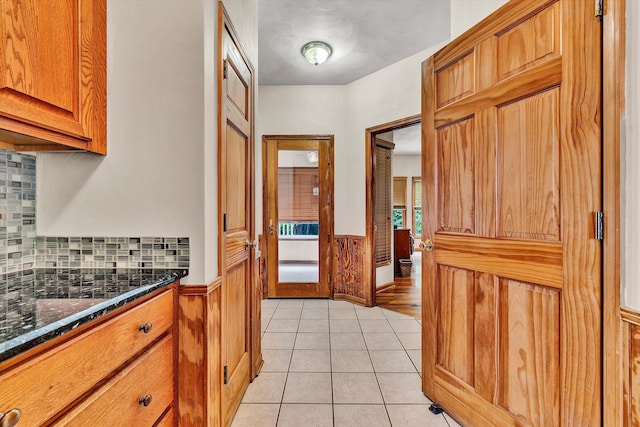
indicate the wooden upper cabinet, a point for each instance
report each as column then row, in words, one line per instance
column 53, row 75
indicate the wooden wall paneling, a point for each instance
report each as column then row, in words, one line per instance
column 614, row 58
column 199, row 363
column 348, row 268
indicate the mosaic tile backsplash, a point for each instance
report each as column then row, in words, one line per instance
column 17, row 211
column 112, row 252
column 21, row 249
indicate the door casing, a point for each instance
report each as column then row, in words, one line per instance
column 327, row 211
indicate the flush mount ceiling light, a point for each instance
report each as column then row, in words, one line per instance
column 316, row 52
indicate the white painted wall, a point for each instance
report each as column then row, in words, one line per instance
column 467, row 13
column 630, row 175
column 160, row 175
column 300, row 110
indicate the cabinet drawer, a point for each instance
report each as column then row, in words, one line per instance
column 45, row 385
column 118, row 403
column 167, row 420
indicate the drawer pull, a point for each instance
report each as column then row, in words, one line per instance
column 11, row 418
column 146, row 327
column 144, row 401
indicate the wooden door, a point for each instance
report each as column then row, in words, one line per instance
column 298, row 222
column 512, row 184
column 236, row 204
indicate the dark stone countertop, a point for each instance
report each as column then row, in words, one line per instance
column 40, row 304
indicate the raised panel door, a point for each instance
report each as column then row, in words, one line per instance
column 511, row 183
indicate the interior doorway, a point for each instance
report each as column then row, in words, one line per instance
column 393, row 232
column 298, row 176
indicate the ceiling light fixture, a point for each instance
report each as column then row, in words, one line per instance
column 316, row 52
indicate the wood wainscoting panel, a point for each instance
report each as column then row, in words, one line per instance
column 199, row 364
column 630, row 367
column 348, row 268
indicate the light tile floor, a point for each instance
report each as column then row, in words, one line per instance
column 332, row 363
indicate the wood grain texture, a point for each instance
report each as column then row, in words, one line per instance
column 117, row 402
column 529, row 43
column 44, row 386
column 455, row 345
column 535, row 128
column 529, row 372
column 457, row 80
column 614, row 80
column 485, row 335
column 581, row 154
column 456, row 178
column 53, row 74
column 199, row 363
column 348, row 274
column 236, row 187
column 528, row 168
column 403, row 296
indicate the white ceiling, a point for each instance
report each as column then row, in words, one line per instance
column 366, row 36
column 407, row 140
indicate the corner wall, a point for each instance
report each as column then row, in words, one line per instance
column 159, row 177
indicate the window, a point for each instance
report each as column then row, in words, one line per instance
column 417, row 206
column 382, row 202
column 399, row 201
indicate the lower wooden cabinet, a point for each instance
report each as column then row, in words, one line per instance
column 117, row 372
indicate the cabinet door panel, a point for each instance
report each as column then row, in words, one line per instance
column 52, row 72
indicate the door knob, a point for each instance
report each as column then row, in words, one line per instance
column 426, row 245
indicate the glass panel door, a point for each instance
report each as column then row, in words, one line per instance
column 298, row 207
column 299, row 216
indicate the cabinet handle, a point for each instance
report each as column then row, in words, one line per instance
column 146, row 328
column 145, row 400
column 10, row 418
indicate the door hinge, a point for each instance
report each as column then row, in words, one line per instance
column 599, row 8
column 328, row 238
column 225, row 370
column 599, row 225
column 328, row 199
column 328, row 277
column 224, row 222
column 225, row 65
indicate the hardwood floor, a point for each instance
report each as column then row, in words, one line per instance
column 405, row 296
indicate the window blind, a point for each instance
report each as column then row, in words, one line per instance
column 298, row 194
column 383, row 205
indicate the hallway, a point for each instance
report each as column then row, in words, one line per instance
column 332, row 363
